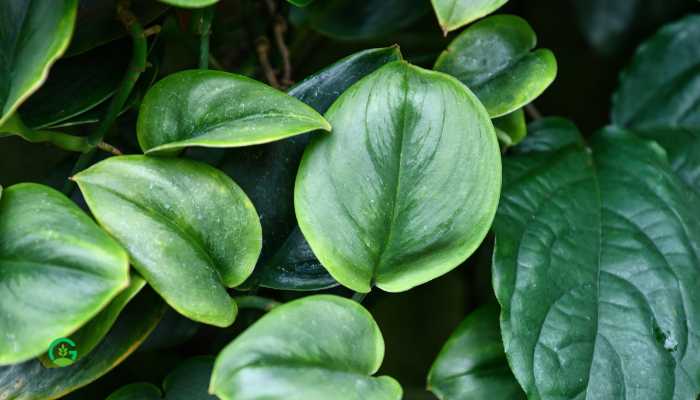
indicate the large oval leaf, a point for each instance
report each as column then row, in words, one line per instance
column 596, row 268
column 454, row 14
column 315, row 348
column 266, row 173
column 31, row 381
column 494, row 58
column 472, row 364
column 219, row 109
column 190, row 230
column 406, row 187
column 57, row 270
column 360, row 19
column 33, row 35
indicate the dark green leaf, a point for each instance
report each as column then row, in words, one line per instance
column 136, row 391
column 494, row 58
column 57, row 270
column 190, row 230
column 365, row 196
column 683, row 150
column 190, row 380
column 472, row 364
column 360, row 19
column 454, row 14
column 31, row 381
column 194, row 108
column 33, row 35
column 300, row 3
column 291, row 351
column 596, row 269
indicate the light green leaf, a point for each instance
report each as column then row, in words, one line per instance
column 596, row 269
column 34, row 34
column 92, row 333
column 511, row 128
column 454, row 14
column 472, row 364
column 31, row 381
column 190, row 3
column 57, row 270
column 494, row 58
column 315, row 348
column 190, row 231
column 365, row 196
column 219, row 109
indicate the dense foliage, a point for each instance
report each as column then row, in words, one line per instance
column 300, row 200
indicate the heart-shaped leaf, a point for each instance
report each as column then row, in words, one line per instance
column 291, row 350
column 31, row 381
column 360, row 19
column 57, row 270
column 454, row 14
column 596, row 268
column 267, row 172
column 44, row 29
column 190, row 231
column 472, row 364
column 494, row 58
column 219, row 109
column 365, row 195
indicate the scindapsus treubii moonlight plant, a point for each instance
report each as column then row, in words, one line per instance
column 270, row 200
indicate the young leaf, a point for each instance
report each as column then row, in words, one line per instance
column 219, row 109
column 365, row 196
column 454, row 14
column 511, row 128
column 596, row 267
column 291, row 350
column 472, row 364
column 360, row 19
column 31, row 381
column 34, row 34
column 57, row 270
column 494, row 58
column 190, row 231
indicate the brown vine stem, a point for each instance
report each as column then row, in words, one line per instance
column 262, row 46
column 280, row 28
column 136, row 67
column 532, row 111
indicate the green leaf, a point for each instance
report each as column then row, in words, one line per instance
column 75, row 85
column 267, row 172
column 190, row 231
column 494, row 58
column 300, row 3
column 259, row 114
column 190, row 3
column 291, row 350
column 472, row 364
column 365, row 196
column 57, row 270
column 511, row 128
column 596, row 268
column 31, row 381
column 454, row 14
column 34, row 34
column 92, row 333
column 360, row 19
column 139, row 391
column 683, row 150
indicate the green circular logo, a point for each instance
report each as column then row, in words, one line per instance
column 63, row 352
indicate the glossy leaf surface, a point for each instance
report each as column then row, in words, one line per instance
column 54, row 261
column 267, row 172
column 190, row 231
column 472, row 364
column 494, row 58
column 31, row 381
column 291, row 351
column 219, row 109
column 596, row 268
column 360, row 19
column 454, row 14
column 365, row 195
column 33, row 35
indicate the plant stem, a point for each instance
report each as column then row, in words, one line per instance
column 205, row 17
column 256, row 302
column 136, row 67
column 359, row 297
column 532, row 111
